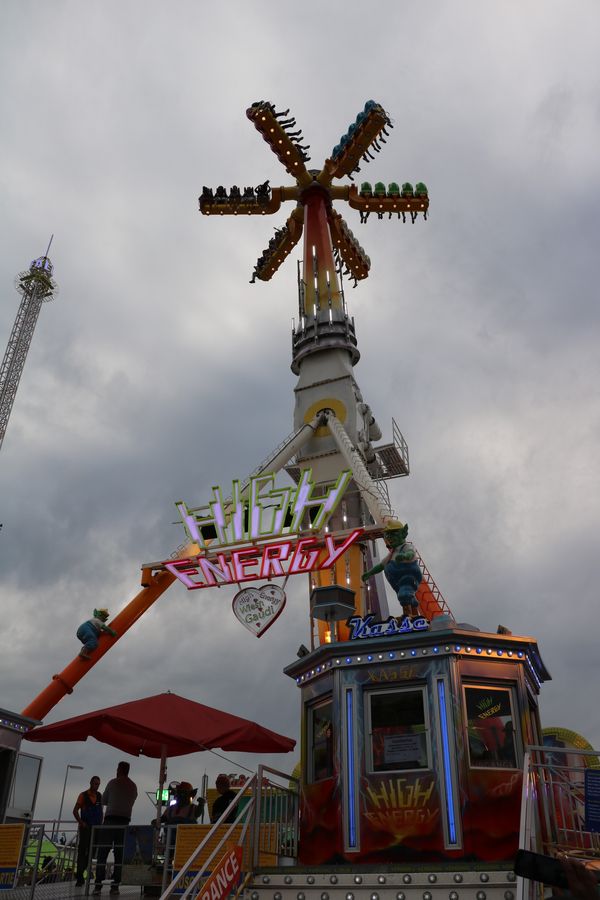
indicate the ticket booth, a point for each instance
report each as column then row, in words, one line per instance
column 412, row 744
column 19, row 772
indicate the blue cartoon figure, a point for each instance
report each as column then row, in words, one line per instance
column 89, row 632
column 400, row 567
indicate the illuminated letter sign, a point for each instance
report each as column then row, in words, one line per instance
column 257, row 532
column 262, row 512
column 366, row 628
column 248, row 564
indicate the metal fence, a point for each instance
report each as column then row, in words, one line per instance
column 265, row 826
column 553, row 807
column 48, row 858
column 275, row 816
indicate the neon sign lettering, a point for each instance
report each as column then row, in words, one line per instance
column 289, row 557
column 366, row 628
column 264, row 512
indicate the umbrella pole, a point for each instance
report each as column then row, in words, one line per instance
column 162, row 777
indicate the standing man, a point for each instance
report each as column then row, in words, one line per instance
column 87, row 812
column 119, row 797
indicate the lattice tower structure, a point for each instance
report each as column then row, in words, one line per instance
column 36, row 286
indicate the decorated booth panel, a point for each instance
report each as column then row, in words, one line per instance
column 372, row 790
column 419, row 760
column 495, row 720
column 320, row 799
column 400, row 803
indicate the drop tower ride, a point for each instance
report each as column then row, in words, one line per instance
column 412, row 741
column 324, row 343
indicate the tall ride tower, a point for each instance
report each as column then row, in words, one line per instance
column 36, row 286
column 413, row 738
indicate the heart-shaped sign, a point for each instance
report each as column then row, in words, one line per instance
column 257, row 608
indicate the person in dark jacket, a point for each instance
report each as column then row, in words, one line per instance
column 222, row 802
column 87, row 812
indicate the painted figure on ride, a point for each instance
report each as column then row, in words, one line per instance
column 89, row 632
column 400, row 567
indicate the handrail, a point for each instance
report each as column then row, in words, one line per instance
column 220, row 821
column 553, row 801
column 524, row 887
column 200, row 873
column 276, row 792
column 273, row 805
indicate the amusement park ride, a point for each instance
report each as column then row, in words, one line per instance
column 414, row 727
column 334, row 427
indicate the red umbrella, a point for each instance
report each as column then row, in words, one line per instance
column 165, row 725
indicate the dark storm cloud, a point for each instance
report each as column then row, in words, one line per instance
column 158, row 371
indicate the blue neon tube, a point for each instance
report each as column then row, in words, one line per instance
column 447, row 771
column 350, row 795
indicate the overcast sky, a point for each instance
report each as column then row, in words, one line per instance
column 159, row 371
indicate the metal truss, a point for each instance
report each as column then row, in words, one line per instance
column 36, row 286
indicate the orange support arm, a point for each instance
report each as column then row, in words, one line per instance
column 65, row 682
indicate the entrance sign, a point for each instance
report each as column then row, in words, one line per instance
column 366, row 628
column 11, row 842
column 257, row 608
column 294, row 556
column 266, row 512
column 224, row 877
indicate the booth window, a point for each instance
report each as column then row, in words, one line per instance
column 321, row 741
column 399, row 730
column 491, row 727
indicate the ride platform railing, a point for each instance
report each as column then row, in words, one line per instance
column 265, row 827
column 553, row 808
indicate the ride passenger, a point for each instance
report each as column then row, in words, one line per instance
column 222, row 802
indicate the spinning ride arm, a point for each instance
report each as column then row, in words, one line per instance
column 393, row 199
column 363, row 136
column 276, row 131
column 353, row 256
column 280, row 246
